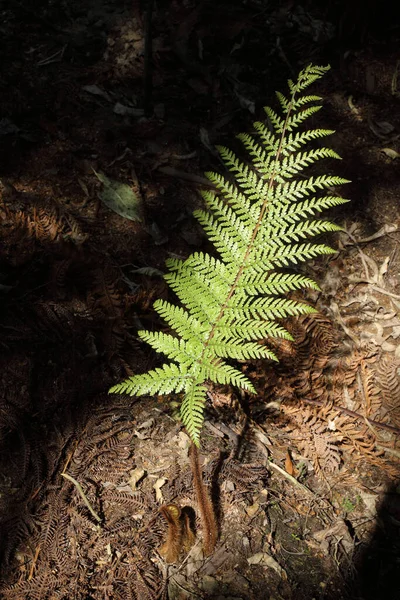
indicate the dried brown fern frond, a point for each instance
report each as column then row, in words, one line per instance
column 389, row 380
column 105, row 297
column 54, row 320
column 146, row 586
column 59, row 278
column 47, row 225
column 30, row 217
column 314, row 339
column 316, row 441
column 244, row 475
column 371, row 394
column 40, row 587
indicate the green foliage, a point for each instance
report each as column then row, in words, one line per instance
column 257, row 219
column 120, row 198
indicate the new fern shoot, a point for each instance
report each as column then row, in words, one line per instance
column 258, row 219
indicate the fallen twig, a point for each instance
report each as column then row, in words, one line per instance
column 82, row 493
column 352, row 413
column 187, row 176
column 290, row 478
column 377, row 288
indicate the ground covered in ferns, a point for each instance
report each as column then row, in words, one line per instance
column 304, row 476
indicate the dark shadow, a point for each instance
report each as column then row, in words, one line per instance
column 378, row 563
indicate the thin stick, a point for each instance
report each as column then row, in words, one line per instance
column 376, row 288
column 187, row 176
column 290, row 478
column 82, row 493
column 34, row 561
column 352, row 413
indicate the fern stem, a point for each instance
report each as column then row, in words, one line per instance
column 206, row 509
column 249, row 249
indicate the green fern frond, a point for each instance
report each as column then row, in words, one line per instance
column 169, row 378
column 259, row 219
column 192, row 410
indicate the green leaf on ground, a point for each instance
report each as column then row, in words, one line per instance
column 120, row 198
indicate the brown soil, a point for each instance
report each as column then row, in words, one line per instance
column 304, row 476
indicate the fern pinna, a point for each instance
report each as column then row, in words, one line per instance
column 257, row 224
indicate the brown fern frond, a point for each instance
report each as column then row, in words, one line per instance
column 106, row 297
column 327, row 451
column 370, row 392
column 73, row 229
column 145, row 587
column 59, row 550
column 47, row 224
column 53, row 319
column 38, row 588
column 315, row 342
column 243, row 475
column 134, row 502
column 389, row 381
column 316, row 441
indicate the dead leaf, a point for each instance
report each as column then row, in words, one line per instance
column 385, row 127
column 84, row 187
column 390, row 153
column 205, row 140
column 146, row 424
column 121, row 109
column 135, row 476
column 253, row 509
column 339, row 532
column 265, row 560
column 157, row 487
column 120, row 198
column 289, row 466
column 246, row 103
column 96, row 91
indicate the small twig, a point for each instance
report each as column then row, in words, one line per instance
column 361, row 253
column 369, row 425
column 361, row 376
column 392, row 451
column 290, row 478
column 189, row 592
column 184, row 156
column 293, row 553
column 197, row 543
column 56, row 57
column 347, row 330
column 187, row 176
column 82, row 493
column 352, row 413
column 382, row 231
column 34, row 561
column 377, row 288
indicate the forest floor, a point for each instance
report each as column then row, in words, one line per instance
column 304, row 476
